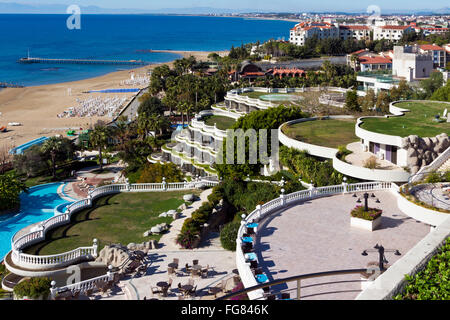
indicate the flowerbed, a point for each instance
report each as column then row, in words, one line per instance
column 369, row 215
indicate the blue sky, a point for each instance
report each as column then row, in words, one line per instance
column 278, row 5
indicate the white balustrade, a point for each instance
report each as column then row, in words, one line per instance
column 61, row 218
column 273, row 206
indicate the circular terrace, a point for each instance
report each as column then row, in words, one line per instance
column 316, row 236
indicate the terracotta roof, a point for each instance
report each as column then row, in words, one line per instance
column 431, row 47
column 359, row 51
column 374, row 60
column 395, row 27
column 354, row 27
column 437, row 29
column 253, row 74
column 285, row 71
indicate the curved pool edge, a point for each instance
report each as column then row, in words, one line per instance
column 15, row 218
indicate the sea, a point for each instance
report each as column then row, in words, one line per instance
column 116, row 37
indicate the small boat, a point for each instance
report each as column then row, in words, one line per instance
column 3, row 129
column 14, row 124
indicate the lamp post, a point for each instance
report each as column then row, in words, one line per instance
column 381, row 257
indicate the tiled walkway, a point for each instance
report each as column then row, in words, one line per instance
column 316, row 236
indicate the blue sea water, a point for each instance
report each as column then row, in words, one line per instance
column 123, row 37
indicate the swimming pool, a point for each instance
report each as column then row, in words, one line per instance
column 280, row 97
column 37, row 205
column 116, row 90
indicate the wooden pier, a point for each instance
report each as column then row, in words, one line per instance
column 30, row 60
column 10, row 85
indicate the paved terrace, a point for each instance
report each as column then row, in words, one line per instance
column 358, row 157
column 315, row 236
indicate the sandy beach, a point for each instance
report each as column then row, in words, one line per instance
column 36, row 108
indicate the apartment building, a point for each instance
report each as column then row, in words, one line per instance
column 322, row 30
column 438, row 53
column 410, row 63
column 390, row 32
column 356, row 32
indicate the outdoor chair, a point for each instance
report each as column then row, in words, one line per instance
column 170, row 271
column 285, row 296
column 204, row 273
column 195, row 273
column 176, row 261
column 253, row 264
column 155, row 290
column 257, row 271
column 192, row 292
column 224, row 286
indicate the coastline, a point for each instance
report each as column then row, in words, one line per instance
column 36, row 107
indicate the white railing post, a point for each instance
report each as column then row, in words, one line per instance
column 110, row 273
column 128, row 185
column 53, row 289
column 312, row 189
column 345, row 185
column 258, row 209
column 283, row 198
column 164, row 184
column 95, row 246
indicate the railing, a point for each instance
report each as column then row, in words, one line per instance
column 359, row 172
column 263, row 211
column 82, row 286
column 435, row 165
column 296, row 279
column 61, row 218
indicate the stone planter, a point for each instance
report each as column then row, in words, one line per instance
column 365, row 224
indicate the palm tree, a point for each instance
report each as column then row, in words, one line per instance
column 99, row 139
column 53, row 147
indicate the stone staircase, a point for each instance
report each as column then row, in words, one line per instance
column 445, row 167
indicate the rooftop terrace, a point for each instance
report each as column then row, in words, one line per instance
column 419, row 121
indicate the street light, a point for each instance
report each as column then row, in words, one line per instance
column 381, row 257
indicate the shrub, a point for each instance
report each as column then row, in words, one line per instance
column 371, row 163
column 228, row 236
column 10, row 189
column 370, row 215
column 433, row 177
column 33, row 288
column 187, row 239
column 433, row 282
column 190, row 225
column 154, row 173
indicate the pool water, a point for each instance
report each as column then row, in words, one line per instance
column 37, row 205
column 280, row 97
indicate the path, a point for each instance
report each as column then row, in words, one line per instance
column 168, row 240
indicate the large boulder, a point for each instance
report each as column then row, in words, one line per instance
column 113, row 255
column 156, row 230
column 189, row 198
column 147, row 233
column 163, row 215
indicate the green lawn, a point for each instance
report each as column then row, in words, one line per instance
column 121, row 218
column 326, row 133
column 223, row 123
column 419, row 121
